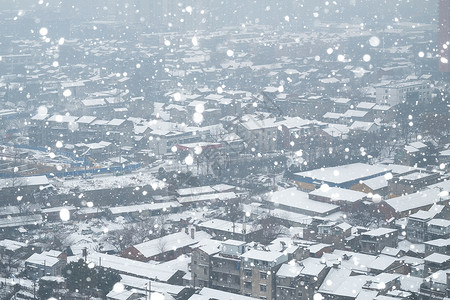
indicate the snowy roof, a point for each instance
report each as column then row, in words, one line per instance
column 268, row 256
column 292, row 197
column 130, row 267
column 376, row 183
column 11, row 245
column 308, row 267
column 57, row 209
column 62, row 119
column 142, row 284
column 116, row 122
column 169, row 242
column 351, row 113
column 213, row 294
column 86, row 119
column 379, row 232
column 207, row 197
column 423, row 215
column 9, row 210
column 439, row 222
column 437, row 258
column 142, row 207
column 439, row 242
column 339, row 194
column 344, row 173
column 20, row 221
column 195, row 190
column 390, row 251
column 360, row 125
column 42, row 259
column 382, row 262
column 413, row 201
column 226, row 226
column 365, row 105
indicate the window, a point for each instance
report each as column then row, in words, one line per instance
column 248, row 273
column 262, row 275
column 247, row 285
column 263, row 288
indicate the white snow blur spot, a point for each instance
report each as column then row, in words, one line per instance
column 230, row 53
column 195, row 41
column 286, row 18
column 61, row 41
column 442, row 166
column 167, row 43
column 177, row 96
column 374, row 41
column 330, row 50
column 324, row 187
column 189, row 160
column 189, row 9
column 198, row 118
column 198, row 150
column 317, row 58
column 388, row 176
column 219, row 90
column 443, row 194
column 64, row 214
column 157, row 296
column 421, row 54
column 55, row 64
column 118, row 287
column 341, row 57
column 444, row 60
column 42, row 110
column 67, row 93
column 43, row 31
column 317, row 296
column 59, row 144
column 200, row 108
column 336, row 173
column 376, row 198
column 174, row 148
column 366, row 57
column 281, row 89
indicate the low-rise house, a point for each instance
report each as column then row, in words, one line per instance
column 435, row 262
column 348, row 200
column 412, row 181
column 44, row 264
column 438, row 246
column 201, row 263
column 345, row 176
column 374, row 241
column 300, row 280
column 165, row 248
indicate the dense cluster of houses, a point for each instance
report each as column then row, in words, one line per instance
column 336, row 192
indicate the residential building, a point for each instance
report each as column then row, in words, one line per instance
column 398, row 92
column 258, row 273
column 226, row 266
column 374, row 241
column 300, row 280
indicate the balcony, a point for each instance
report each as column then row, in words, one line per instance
column 228, row 269
column 226, row 285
